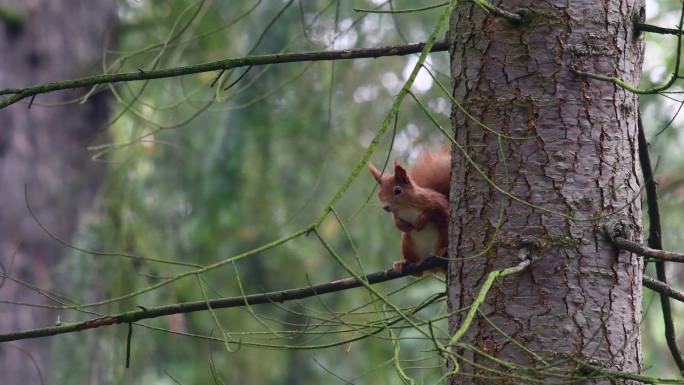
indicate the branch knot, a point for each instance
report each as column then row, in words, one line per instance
column 619, row 229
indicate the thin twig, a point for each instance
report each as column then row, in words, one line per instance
column 473, row 309
column 220, row 303
column 491, row 278
column 405, row 10
column 128, row 344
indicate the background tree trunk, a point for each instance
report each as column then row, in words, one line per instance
column 44, row 148
column 580, row 298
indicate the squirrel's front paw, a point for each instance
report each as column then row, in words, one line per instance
column 398, row 266
column 403, row 225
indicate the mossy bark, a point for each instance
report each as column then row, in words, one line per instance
column 570, row 147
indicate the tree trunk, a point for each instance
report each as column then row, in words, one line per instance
column 580, row 299
column 44, row 149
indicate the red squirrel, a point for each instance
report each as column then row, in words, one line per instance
column 419, row 203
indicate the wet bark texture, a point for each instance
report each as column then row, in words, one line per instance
column 44, row 148
column 580, row 298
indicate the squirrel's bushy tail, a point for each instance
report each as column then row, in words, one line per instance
column 433, row 170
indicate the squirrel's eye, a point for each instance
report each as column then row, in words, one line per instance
column 397, row 190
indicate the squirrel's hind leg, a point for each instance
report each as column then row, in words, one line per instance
column 409, row 254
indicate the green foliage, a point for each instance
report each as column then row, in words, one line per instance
column 198, row 174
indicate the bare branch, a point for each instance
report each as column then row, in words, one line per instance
column 641, row 27
column 220, row 303
column 646, row 251
column 220, row 65
column 662, row 288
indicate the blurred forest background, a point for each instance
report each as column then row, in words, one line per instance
column 196, row 173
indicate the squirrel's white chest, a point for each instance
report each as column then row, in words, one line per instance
column 425, row 241
column 409, row 215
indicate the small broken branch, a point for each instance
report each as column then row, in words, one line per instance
column 663, row 288
column 638, row 248
column 641, row 27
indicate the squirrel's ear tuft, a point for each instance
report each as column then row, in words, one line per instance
column 376, row 173
column 400, row 174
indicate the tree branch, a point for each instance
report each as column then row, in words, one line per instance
column 638, row 248
column 641, row 27
column 662, row 288
column 221, row 303
column 345, row 54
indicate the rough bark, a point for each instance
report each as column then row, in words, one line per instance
column 44, row 148
column 580, row 299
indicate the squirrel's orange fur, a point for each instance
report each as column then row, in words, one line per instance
column 419, row 202
column 433, row 170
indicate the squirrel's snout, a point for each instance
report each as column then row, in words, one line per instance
column 387, row 207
